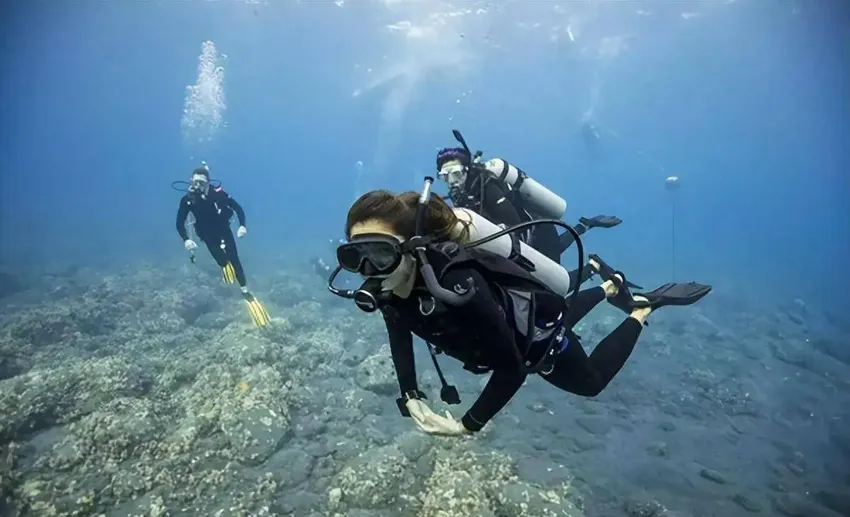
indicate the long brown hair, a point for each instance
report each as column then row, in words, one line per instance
column 399, row 213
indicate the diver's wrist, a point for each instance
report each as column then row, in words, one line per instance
column 406, row 397
column 470, row 425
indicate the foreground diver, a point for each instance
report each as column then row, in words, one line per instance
column 212, row 209
column 505, row 195
column 473, row 302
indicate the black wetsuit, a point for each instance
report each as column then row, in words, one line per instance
column 212, row 225
column 479, row 334
column 498, row 207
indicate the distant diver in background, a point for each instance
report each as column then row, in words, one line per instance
column 212, row 209
column 590, row 133
column 592, row 139
column 505, row 195
column 323, row 268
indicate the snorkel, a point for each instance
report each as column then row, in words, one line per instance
column 476, row 158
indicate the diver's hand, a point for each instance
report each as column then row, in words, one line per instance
column 189, row 244
column 241, row 232
column 431, row 422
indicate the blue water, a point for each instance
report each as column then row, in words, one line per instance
column 746, row 102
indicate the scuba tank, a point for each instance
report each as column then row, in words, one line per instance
column 536, row 199
column 553, row 275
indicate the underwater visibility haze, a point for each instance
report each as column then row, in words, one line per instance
column 205, row 368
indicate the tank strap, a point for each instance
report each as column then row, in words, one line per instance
column 520, row 178
column 505, row 168
column 482, row 181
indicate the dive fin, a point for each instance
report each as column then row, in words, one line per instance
column 632, row 285
column 587, row 272
column 228, row 273
column 600, row 221
column 623, row 300
column 257, row 310
column 668, row 294
column 673, row 294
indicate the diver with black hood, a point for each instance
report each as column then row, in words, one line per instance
column 212, row 208
column 592, row 139
column 454, row 279
column 505, row 195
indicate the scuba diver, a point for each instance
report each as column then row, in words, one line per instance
column 320, row 266
column 454, row 279
column 212, row 209
column 505, row 195
column 592, row 139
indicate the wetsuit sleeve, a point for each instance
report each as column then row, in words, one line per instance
column 401, row 347
column 493, row 331
column 566, row 239
column 497, row 207
column 501, row 387
column 240, row 214
column 182, row 214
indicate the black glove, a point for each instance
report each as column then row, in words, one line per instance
column 600, row 221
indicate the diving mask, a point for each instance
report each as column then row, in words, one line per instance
column 199, row 183
column 371, row 255
column 454, row 174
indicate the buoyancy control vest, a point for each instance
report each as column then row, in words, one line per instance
column 517, row 292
